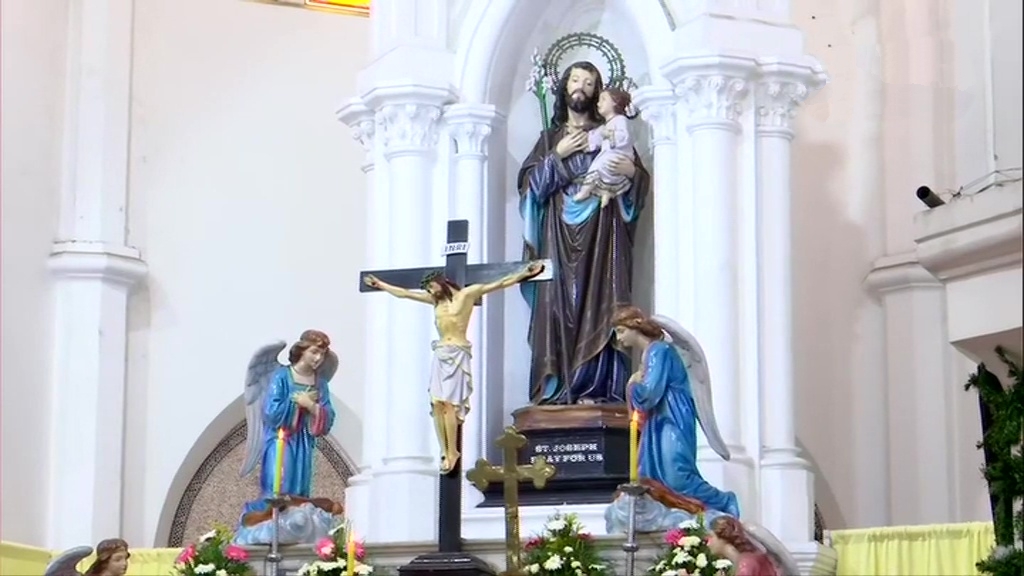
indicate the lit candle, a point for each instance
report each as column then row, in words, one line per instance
column 279, row 464
column 634, row 447
column 350, row 560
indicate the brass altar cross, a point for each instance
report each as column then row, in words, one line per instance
column 511, row 473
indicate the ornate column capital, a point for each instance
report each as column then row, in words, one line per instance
column 657, row 107
column 714, row 88
column 470, row 126
column 359, row 118
column 781, row 89
column 408, row 129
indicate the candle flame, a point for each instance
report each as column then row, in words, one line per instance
column 280, row 433
column 635, row 417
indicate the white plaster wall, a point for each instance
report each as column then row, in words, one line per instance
column 1007, row 45
column 33, row 36
column 246, row 201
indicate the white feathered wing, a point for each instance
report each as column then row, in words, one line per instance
column 257, row 378
column 774, row 547
column 66, row 564
column 700, row 381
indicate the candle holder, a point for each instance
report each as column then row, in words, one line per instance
column 273, row 560
column 632, row 490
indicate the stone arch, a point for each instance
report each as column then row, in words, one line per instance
column 212, row 464
column 495, row 27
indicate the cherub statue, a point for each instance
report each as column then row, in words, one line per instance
column 451, row 378
column 613, row 141
column 752, row 550
column 111, row 560
column 294, row 401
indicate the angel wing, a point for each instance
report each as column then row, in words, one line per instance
column 328, row 367
column 700, row 381
column 774, row 547
column 257, row 377
column 66, row 563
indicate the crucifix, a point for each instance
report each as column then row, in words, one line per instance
column 510, row 473
column 453, row 293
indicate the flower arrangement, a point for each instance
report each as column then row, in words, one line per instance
column 213, row 554
column 332, row 554
column 563, row 549
column 540, row 85
column 688, row 554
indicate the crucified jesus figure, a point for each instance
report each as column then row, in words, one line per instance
column 451, row 378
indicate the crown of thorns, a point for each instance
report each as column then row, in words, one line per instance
column 431, row 277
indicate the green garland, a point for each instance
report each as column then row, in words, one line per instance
column 1004, row 466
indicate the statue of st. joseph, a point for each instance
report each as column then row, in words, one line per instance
column 571, row 336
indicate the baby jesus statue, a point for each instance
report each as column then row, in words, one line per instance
column 613, row 139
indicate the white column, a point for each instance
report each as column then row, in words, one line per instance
column 714, row 91
column 673, row 286
column 405, row 485
column 93, row 273
column 470, row 127
column 787, row 483
column 358, row 496
column 921, row 388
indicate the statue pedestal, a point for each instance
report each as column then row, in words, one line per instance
column 449, row 564
column 588, row 445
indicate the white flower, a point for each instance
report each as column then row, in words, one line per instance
column 567, row 549
column 553, row 563
column 222, row 572
column 702, row 560
column 555, row 525
column 205, row 568
column 208, row 536
column 363, row 569
column 689, row 525
column 669, row 573
column 722, row 564
column 681, row 558
column 533, row 568
column 688, row 542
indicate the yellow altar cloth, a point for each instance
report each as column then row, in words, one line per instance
column 928, row 550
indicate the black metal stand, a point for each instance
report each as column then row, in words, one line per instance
column 449, row 560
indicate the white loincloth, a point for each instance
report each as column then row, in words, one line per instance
column 451, row 379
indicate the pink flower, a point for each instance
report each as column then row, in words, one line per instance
column 532, row 543
column 586, row 536
column 360, row 551
column 186, row 555
column 673, row 536
column 236, row 553
column 325, row 549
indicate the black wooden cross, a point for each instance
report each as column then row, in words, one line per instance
column 456, row 270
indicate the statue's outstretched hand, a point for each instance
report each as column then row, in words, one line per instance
column 371, row 281
column 534, row 268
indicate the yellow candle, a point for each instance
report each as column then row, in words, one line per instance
column 279, row 464
column 634, row 447
column 350, row 560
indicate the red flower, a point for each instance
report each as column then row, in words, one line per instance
column 324, row 549
column 535, row 542
column 672, row 536
column 187, row 555
column 236, row 553
column 586, row 536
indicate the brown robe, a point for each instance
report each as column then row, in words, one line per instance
column 570, row 325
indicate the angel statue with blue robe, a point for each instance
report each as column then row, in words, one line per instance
column 289, row 407
column 672, row 391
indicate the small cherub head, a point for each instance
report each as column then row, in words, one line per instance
column 111, row 558
column 727, row 532
column 439, row 286
column 310, row 350
column 614, row 102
